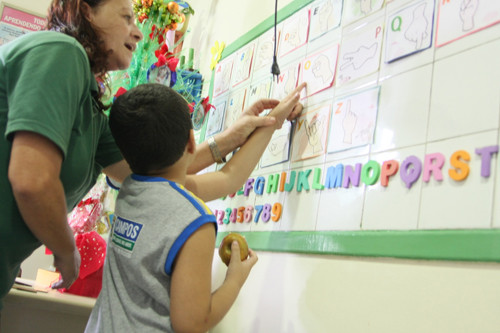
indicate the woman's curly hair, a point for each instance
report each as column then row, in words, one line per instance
column 67, row 17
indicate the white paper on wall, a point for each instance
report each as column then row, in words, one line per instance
column 325, row 16
column 242, row 64
column 353, row 120
column 234, row 107
column 409, row 30
column 318, row 70
column 295, row 32
column 357, row 9
column 216, row 118
column 222, row 76
column 360, row 52
column 460, row 18
column 310, row 134
column 278, row 149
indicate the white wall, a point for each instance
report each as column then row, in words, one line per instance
column 309, row 293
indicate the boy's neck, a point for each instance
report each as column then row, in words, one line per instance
column 175, row 173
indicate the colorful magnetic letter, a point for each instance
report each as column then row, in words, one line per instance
column 433, row 163
column 291, row 183
column 302, row 181
column 334, row 175
column 370, row 172
column 486, row 154
column 272, row 183
column 317, row 179
column 461, row 169
column 389, row 168
column 248, row 187
column 259, row 185
column 352, row 176
column 410, row 171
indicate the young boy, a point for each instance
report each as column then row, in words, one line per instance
column 157, row 273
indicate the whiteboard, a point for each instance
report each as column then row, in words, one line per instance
column 405, row 164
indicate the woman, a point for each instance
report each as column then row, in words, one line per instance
column 56, row 138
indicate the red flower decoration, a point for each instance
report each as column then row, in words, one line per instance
column 120, row 91
column 206, row 106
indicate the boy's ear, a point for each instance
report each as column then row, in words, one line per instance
column 191, row 145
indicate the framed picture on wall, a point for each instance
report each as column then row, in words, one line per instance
column 16, row 21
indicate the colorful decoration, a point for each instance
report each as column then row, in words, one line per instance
column 216, row 51
column 168, row 13
column 156, row 58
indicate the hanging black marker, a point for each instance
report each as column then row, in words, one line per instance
column 275, row 69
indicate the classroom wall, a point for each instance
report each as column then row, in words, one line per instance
column 323, row 293
column 313, row 293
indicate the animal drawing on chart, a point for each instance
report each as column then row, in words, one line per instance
column 417, row 30
column 359, row 57
column 321, row 69
column 468, row 9
column 365, row 6
column 314, row 132
column 349, row 123
column 278, row 145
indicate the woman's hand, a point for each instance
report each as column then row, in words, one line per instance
column 251, row 119
column 289, row 107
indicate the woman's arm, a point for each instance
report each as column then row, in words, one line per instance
column 193, row 306
column 118, row 171
column 34, row 168
column 213, row 185
column 237, row 134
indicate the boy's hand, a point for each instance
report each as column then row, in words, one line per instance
column 289, row 107
column 237, row 269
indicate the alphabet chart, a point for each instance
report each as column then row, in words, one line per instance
column 395, row 152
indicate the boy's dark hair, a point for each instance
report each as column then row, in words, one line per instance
column 151, row 125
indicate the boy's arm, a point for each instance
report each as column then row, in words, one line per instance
column 193, row 306
column 229, row 179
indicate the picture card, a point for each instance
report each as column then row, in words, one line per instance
column 460, row 18
column 295, row 32
column 409, row 30
column 278, row 149
column 287, row 81
column 264, row 50
column 357, row 9
column 216, row 117
column 318, row 70
column 353, row 120
column 325, row 16
column 311, row 131
column 235, row 104
column 242, row 64
column 360, row 52
column 222, row 76
column 259, row 90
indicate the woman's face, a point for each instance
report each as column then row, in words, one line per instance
column 114, row 22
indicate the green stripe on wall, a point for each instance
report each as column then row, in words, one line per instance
column 265, row 25
column 466, row 245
